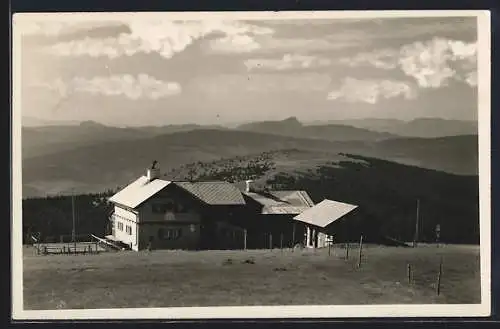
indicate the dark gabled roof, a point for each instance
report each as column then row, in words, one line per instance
column 214, row 193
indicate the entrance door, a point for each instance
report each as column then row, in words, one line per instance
column 311, row 237
column 208, row 237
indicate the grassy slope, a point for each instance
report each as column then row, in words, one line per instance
column 174, row 278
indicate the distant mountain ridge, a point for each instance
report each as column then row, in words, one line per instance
column 421, row 127
column 332, row 132
column 51, row 139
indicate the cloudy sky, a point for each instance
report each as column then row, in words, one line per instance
column 143, row 71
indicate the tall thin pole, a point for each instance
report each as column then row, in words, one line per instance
column 415, row 238
column 360, row 250
column 245, row 239
column 73, row 215
column 438, row 285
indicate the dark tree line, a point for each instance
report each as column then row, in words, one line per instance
column 53, row 216
column 387, row 195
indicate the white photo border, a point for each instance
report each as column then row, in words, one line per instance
column 265, row 312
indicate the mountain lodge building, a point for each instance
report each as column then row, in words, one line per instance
column 153, row 213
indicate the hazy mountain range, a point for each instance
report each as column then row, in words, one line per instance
column 423, row 127
column 89, row 156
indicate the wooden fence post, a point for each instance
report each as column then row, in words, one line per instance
column 409, row 273
column 270, row 241
column 438, row 285
column 293, row 237
column 245, row 239
column 347, row 251
column 360, row 250
column 329, row 248
column 281, row 242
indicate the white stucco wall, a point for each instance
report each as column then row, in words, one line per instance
column 125, row 214
column 126, row 218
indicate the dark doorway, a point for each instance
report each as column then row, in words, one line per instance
column 208, row 234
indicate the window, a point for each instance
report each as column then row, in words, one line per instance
column 119, row 225
column 169, row 206
column 158, row 208
column 166, row 206
column 169, row 234
column 177, row 233
column 182, row 208
column 129, row 230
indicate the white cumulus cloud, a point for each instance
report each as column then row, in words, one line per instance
column 432, row 64
column 471, row 78
column 161, row 36
column 269, row 43
column 288, row 61
column 235, row 44
column 371, row 90
column 133, row 87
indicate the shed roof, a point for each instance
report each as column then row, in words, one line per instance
column 214, row 193
column 138, row 191
column 325, row 213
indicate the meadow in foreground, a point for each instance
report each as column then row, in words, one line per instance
column 253, row 277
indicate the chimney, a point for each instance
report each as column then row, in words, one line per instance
column 247, row 188
column 153, row 172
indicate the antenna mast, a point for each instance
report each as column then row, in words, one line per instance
column 73, row 215
column 415, row 238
